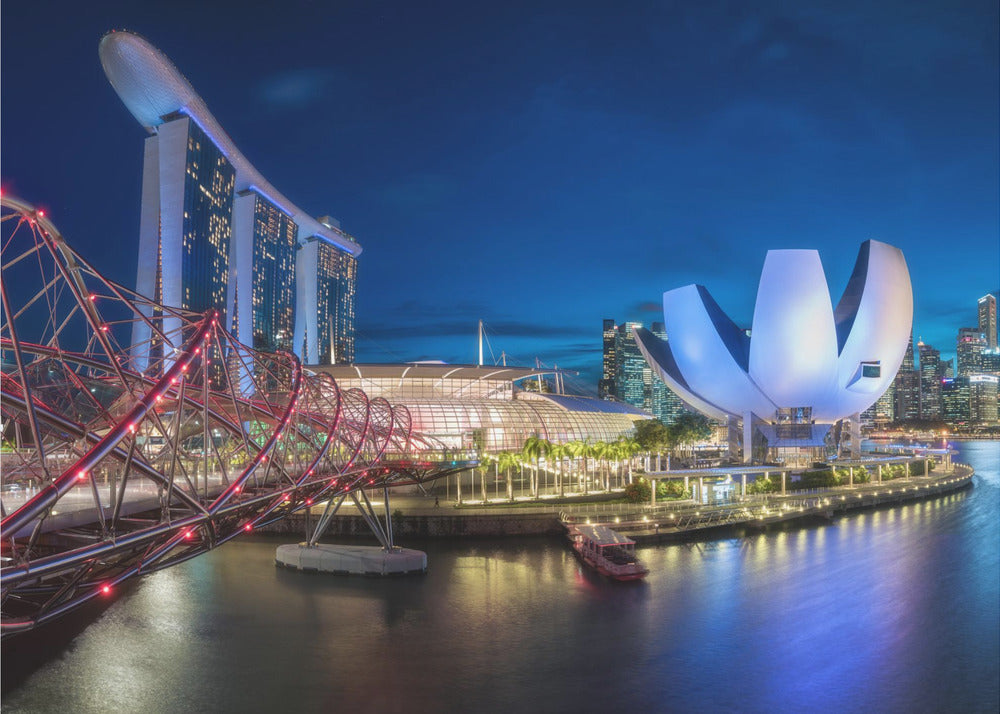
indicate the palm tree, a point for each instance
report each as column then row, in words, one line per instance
column 506, row 460
column 602, row 452
column 485, row 461
column 577, row 449
column 558, row 452
column 630, row 447
column 533, row 450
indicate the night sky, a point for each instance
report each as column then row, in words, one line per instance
column 545, row 165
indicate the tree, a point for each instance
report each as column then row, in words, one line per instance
column 652, row 435
column 485, row 462
column 506, row 460
column 690, row 428
column 579, row 449
column 533, row 450
column 558, row 452
column 639, row 491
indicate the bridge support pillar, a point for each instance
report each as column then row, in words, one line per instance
column 783, row 475
column 743, row 485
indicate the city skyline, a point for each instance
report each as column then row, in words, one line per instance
column 636, row 150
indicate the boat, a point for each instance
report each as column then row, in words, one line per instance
column 606, row 551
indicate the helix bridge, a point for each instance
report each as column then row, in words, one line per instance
column 121, row 459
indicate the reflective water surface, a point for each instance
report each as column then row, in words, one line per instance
column 894, row 610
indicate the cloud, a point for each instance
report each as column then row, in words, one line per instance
column 653, row 307
column 297, row 88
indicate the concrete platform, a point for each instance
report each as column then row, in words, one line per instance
column 351, row 560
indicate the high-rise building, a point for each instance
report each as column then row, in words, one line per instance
column 983, row 398
column 631, row 379
column 907, row 386
column 969, row 348
column 988, row 320
column 264, row 250
column 627, row 376
column 955, row 402
column 606, row 385
column 930, row 382
column 989, row 362
column 215, row 235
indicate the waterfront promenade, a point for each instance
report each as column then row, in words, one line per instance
column 417, row 515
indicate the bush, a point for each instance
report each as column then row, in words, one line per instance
column 671, row 489
column 638, row 491
column 917, row 467
column 817, row 479
column 763, row 484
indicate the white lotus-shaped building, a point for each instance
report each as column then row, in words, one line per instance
column 802, row 356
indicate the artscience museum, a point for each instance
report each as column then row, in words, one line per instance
column 803, row 366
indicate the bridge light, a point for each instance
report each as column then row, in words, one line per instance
column 81, row 476
column 248, row 527
column 309, row 502
column 187, row 534
column 106, row 589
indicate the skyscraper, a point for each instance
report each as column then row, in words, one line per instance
column 988, row 320
column 907, row 386
column 930, row 382
column 214, row 233
column 606, row 385
column 627, row 376
column 969, row 350
column 185, row 225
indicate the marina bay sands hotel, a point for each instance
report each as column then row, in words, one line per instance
column 214, row 234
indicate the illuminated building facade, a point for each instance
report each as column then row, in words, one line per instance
column 907, row 386
column 467, row 407
column 214, row 233
column 988, row 320
column 803, row 359
column 606, row 385
column 628, row 378
column 969, row 349
column 930, row 382
column 983, row 398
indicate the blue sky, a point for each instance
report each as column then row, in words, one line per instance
column 544, row 165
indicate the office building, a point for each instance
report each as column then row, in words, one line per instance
column 930, row 382
column 969, row 348
column 907, row 386
column 988, row 320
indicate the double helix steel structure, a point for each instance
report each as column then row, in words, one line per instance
column 122, row 459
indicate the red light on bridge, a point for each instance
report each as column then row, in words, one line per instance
column 41, row 213
column 106, row 589
column 238, row 489
column 309, row 502
column 248, row 527
column 187, row 534
column 81, row 476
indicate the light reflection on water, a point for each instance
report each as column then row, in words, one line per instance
column 889, row 610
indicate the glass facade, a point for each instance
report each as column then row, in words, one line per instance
column 273, row 297
column 628, row 378
column 491, row 414
column 930, row 382
column 207, row 227
column 335, row 284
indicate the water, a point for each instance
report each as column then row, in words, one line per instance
column 884, row 611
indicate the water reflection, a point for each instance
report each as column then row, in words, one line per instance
column 885, row 610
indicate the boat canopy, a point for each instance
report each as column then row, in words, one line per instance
column 602, row 536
